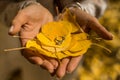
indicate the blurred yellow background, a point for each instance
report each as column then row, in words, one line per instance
column 98, row 64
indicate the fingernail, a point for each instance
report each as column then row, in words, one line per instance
column 11, row 28
column 51, row 70
column 67, row 72
column 53, row 74
column 57, row 78
column 112, row 36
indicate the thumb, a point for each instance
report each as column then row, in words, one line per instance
column 100, row 30
column 17, row 23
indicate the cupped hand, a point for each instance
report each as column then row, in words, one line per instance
column 27, row 23
column 29, row 20
column 87, row 22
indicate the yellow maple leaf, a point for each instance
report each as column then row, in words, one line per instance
column 60, row 39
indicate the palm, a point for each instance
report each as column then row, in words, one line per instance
column 88, row 22
column 32, row 22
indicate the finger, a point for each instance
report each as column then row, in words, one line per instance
column 62, row 68
column 17, row 23
column 100, row 30
column 35, row 60
column 27, row 53
column 39, row 60
column 47, row 65
column 54, row 63
column 31, row 57
column 73, row 64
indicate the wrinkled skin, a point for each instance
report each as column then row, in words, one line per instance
column 28, row 22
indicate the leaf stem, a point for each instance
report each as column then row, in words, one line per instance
column 102, row 47
column 14, row 49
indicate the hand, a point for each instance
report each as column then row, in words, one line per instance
column 27, row 23
column 29, row 20
column 87, row 22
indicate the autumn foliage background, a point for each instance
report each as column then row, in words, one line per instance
column 98, row 64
